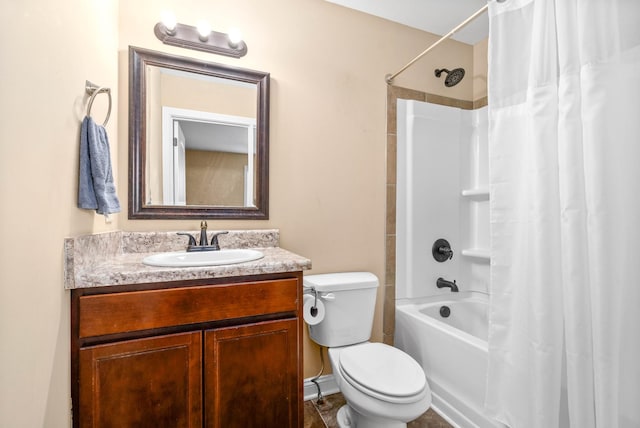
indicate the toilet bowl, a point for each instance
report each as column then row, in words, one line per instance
column 383, row 386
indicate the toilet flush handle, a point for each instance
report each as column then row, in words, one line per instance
column 328, row 296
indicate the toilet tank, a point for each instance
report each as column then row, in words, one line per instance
column 349, row 299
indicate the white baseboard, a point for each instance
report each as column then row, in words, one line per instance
column 327, row 385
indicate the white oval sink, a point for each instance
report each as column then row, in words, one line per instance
column 202, row 258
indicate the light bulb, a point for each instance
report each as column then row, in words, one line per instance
column 168, row 19
column 235, row 37
column 204, row 29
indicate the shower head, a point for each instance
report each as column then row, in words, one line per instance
column 453, row 77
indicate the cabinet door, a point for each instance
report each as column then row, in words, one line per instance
column 152, row 382
column 251, row 376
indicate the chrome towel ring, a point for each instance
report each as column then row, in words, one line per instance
column 93, row 90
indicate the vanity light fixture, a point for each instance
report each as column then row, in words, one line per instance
column 200, row 38
column 235, row 37
column 204, row 29
column 168, row 19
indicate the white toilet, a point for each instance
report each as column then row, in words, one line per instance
column 383, row 386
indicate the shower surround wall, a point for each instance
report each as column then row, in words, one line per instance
column 442, row 192
column 395, row 93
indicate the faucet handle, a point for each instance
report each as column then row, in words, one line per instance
column 214, row 239
column 441, row 250
column 192, row 239
column 447, row 251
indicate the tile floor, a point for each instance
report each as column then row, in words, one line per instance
column 323, row 415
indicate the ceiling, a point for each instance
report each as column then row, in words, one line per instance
column 435, row 16
column 214, row 137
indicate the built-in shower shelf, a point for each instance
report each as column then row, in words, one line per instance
column 479, row 253
column 478, row 193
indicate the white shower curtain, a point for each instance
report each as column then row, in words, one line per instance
column 564, row 108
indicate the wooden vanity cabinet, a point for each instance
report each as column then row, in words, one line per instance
column 191, row 354
column 149, row 382
column 249, row 375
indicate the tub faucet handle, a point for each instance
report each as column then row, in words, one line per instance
column 441, row 250
column 447, row 251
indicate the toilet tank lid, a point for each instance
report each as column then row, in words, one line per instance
column 341, row 281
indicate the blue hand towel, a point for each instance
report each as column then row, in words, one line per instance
column 96, row 190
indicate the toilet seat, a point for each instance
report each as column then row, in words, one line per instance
column 383, row 372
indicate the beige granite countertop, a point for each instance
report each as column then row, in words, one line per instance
column 115, row 258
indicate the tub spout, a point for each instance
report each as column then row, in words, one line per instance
column 442, row 283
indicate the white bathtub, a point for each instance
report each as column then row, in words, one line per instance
column 452, row 351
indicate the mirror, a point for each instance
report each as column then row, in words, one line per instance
column 198, row 139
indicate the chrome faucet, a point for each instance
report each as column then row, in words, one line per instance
column 204, row 244
column 442, row 283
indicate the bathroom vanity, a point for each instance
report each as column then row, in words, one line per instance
column 216, row 346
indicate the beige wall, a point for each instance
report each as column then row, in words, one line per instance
column 480, row 69
column 215, row 178
column 328, row 115
column 153, row 173
column 48, row 50
column 202, row 95
column 327, row 157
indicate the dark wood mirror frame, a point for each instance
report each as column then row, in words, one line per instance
column 138, row 209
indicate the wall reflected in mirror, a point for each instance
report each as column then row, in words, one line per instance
column 202, row 147
column 201, row 139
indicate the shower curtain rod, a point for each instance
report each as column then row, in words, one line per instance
column 389, row 77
